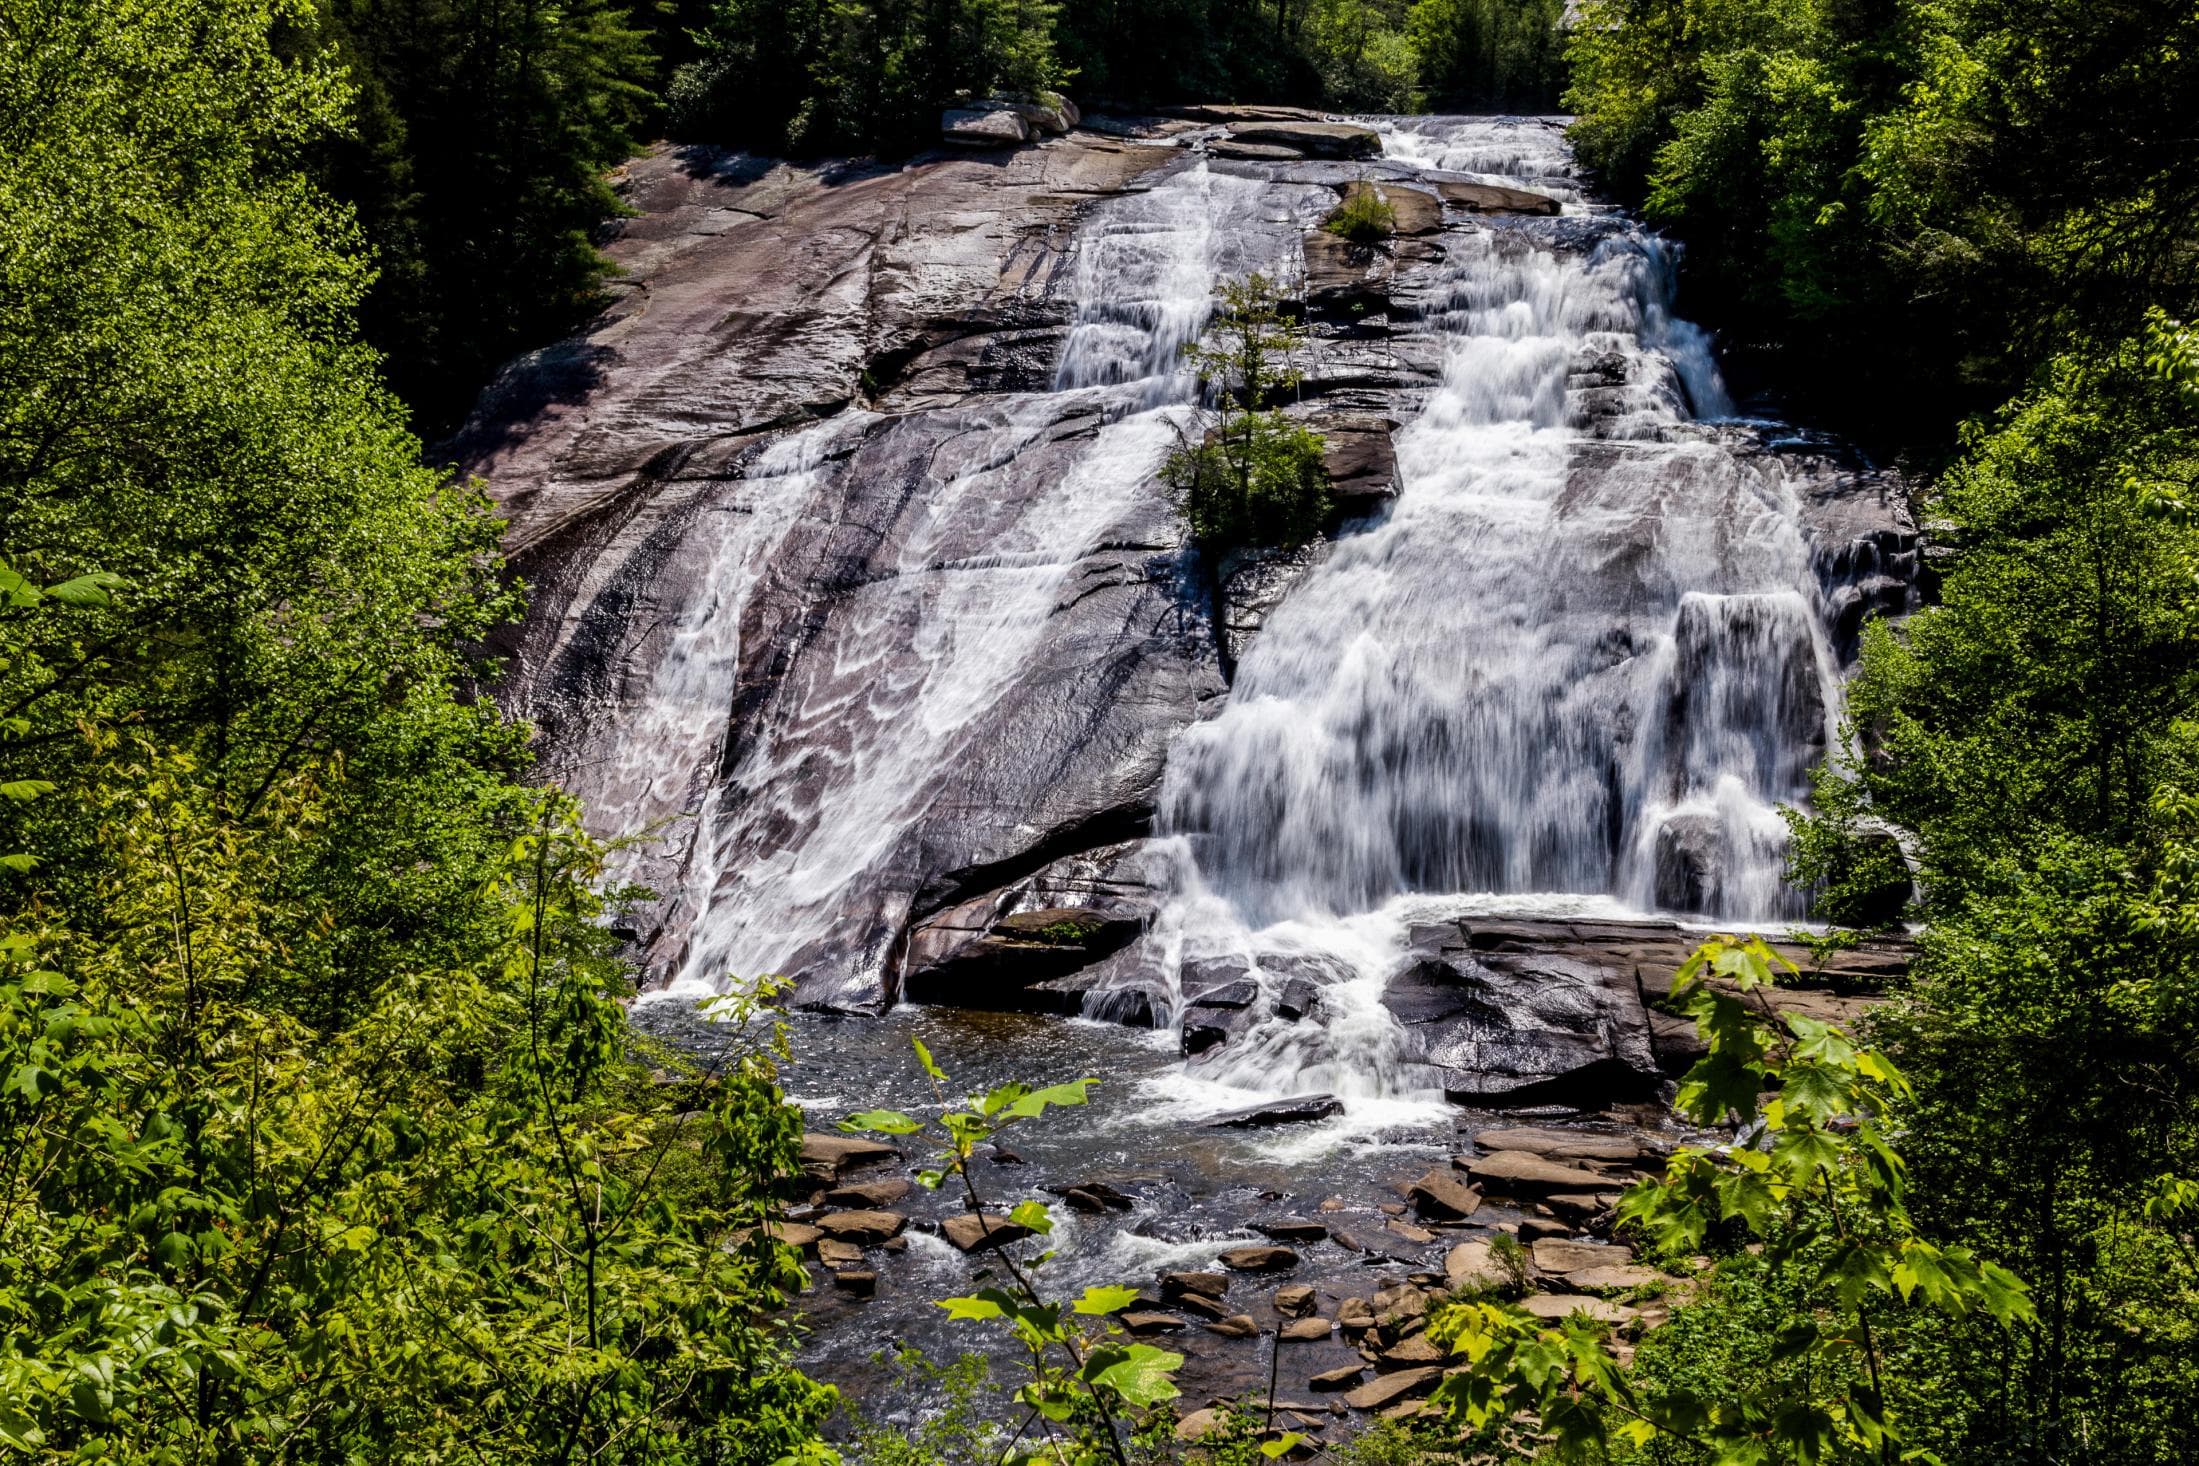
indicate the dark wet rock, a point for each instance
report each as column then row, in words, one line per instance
column 1312, row 139
column 1441, row 1194
column 1388, row 1389
column 1022, row 951
column 863, row 1226
column 1338, row 1379
column 1240, row 992
column 1293, row 1111
column 1250, row 582
column 1361, row 460
column 1298, row 1000
column 1591, row 1209
column 1259, row 1259
column 1534, row 1229
column 1494, row 198
column 1345, row 279
column 1292, row 1229
column 1199, row 1304
column 825, row 1157
column 1210, row 1285
column 860, row 1282
column 869, row 1195
column 1093, row 1196
column 971, row 1232
column 1522, row 1173
column 1002, row 1156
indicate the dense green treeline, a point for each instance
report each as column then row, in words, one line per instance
column 321, row 1133
column 1964, row 229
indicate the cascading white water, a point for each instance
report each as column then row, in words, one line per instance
column 799, row 838
column 1579, row 657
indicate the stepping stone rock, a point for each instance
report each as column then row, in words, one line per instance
column 1293, row 1111
column 1354, row 1316
column 860, row 1281
column 1294, row 1301
column 1516, row 1172
column 1536, row 1229
column 1337, row 1379
column 1442, row 1195
column 1151, row 1323
column 1552, row 1256
column 794, row 1234
column 1211, row 1285
column 1474, row 1265
column 835, row 1254
column 869, row 1195
column 1554, row 1306
column 824, row 1157
column 863, row 1226
column 1580, row 1206
column 1388, row 1389
column 1198, row 1425
column 1292, row 1229
column 1235, row 1326
column 1308, row 1330
column 1418, row 1236
column 969, row 1232
column 1259, row 1259
column 1417, row 1352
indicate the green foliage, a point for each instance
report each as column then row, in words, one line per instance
column 1255, row 477
column 1090, row 1387
column 1958, row 190
column 1815, row 1179
column 847, row 75
column 1854, row 869
column 1489, row 55
column 475, row 158
column 1363, row 217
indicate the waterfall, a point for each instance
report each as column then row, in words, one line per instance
column 1575, row 665
column 797, row 862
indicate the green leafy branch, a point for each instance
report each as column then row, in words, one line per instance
column 1813, row 1179
column 1085, row 1376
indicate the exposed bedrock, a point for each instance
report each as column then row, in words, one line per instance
column 856, row 596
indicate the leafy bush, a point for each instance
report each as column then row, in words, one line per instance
column 1363, row 217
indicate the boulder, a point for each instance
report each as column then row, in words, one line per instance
column 1441, row 1194
column 1495, row 198
column 1293, row 1111
column 863, row 1226
column 1418, row 1236
column 1211, row 1285
column 862, row 1282
column 1307, row 1330
column 1021, row 952
column 984, row 127
column 1244, row 152
column 1259, row 1259
column 970, row 1232
column 1312, row 139
column 1199, row 1304
column 1294, row 1301
column 869, row 1195
column 1388, row 1389
column 1235, row 1326
column 1519, row 1173
column 794, row 1234
column 1581, row 1208
column 825, row 1157
column 1474, row 1265
column 1198, row 1425
column 1298, row 1000
column 1347, row 280
column 1417, row 1352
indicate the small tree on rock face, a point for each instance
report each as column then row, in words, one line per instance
column 1256, row 477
